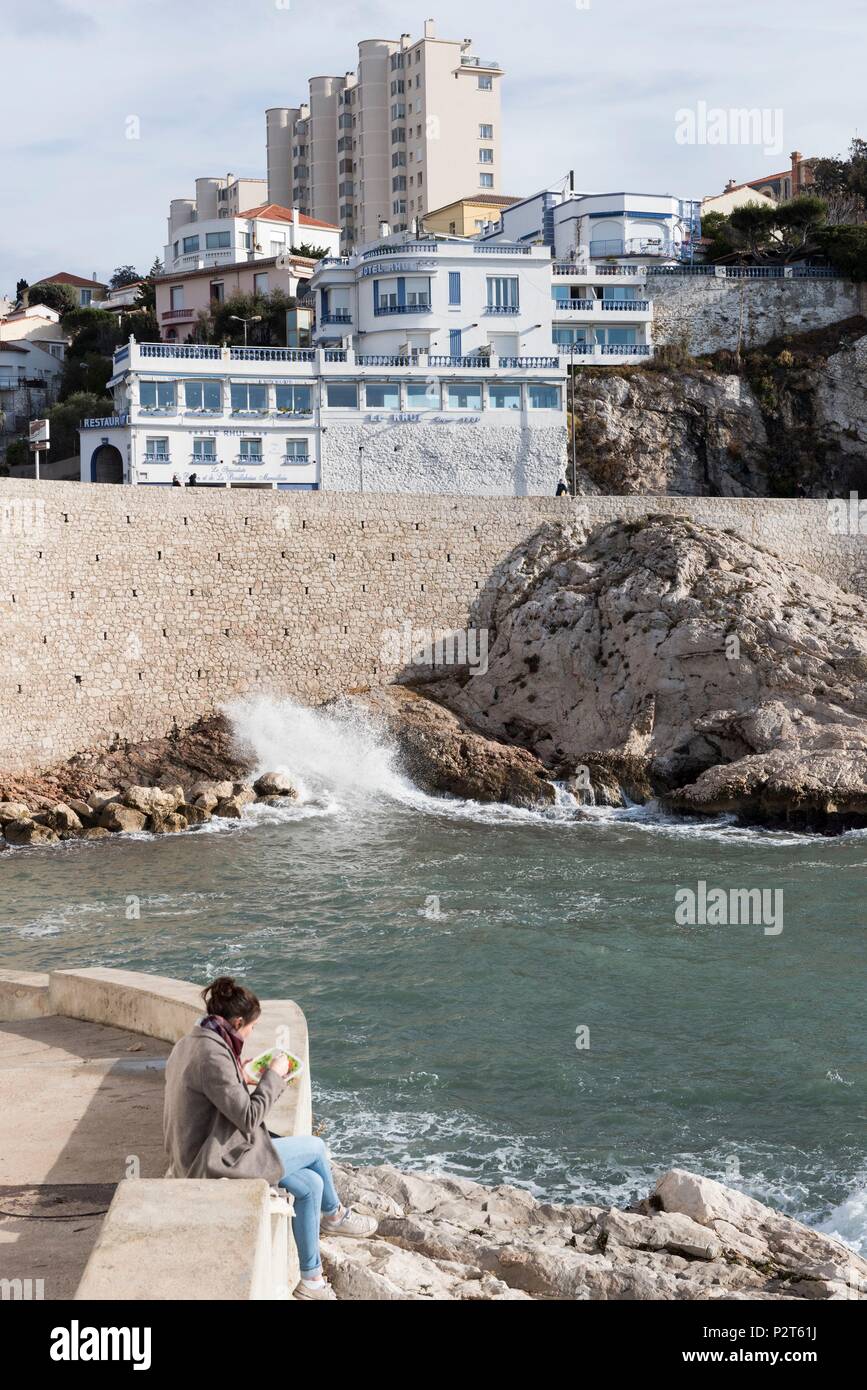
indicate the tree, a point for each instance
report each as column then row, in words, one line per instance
column 66, row 417
column 60, row 297
column 842, row 183
column 18, row 453
column 846, row 249
column 123, row 275
column 20, row 291
column 313, row 253
column 761, row 233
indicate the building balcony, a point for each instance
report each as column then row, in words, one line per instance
column 385, row 309
column 583, row 306
column 296, row 458
column 177, row 315
column 408, row 248
column 583, row 353
column 485, row 64
column 634, row 246
column 336, row 316
column 585, row 271
column 502, row 309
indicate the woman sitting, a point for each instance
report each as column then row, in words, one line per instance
column 215, row 1127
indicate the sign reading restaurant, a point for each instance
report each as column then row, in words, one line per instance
column 105, row 422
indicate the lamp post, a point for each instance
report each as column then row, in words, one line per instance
column 255, row 318
column 574, row 479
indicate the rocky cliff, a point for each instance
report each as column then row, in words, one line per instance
column 786, row 420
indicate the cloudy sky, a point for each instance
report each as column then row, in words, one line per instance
column 591, row 85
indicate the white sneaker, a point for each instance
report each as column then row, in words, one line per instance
column 351, row 1225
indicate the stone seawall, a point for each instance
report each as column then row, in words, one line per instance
column 125, row 610
column 705, row 313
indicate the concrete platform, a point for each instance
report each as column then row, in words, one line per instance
column 82, row 1110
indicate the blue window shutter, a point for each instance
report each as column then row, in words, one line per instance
column 375, row 296
column 401, row 291
column 454, row 287
column 455, row 337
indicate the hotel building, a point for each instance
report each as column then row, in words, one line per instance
column 416, row 126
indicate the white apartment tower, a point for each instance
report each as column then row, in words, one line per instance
column 416, row 126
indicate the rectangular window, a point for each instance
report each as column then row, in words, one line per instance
column 215, row 241
column 503, row 292
column 157, row 450
column 294, row 400
column 191, row 244
column 342, row 395
column 249, row 397
column 486, row 132
column 398, row 159
column 423, row 395
column 486, row 84
column 486, row 156
column 581, row 337
column 203, row 395
column 504, row 396
column 260, row 283
column 463, row 395
column 177, row 295
column 218, row 292
column 157, row 395
column 382, row 395
column 251, row 449
column 542, row 397
column 298, row 450
column 454, row 287
column 204, row 451
column 486, row 180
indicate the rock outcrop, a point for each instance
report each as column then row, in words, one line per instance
column 692, row 1238
column 445, row 757
column 664, row 658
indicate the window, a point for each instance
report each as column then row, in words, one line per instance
column 423, row 395
column 86, row 299
column 215, row 241
column 249, row 397
column 503, row 293
column 342, row 395
column 157, row 395
column 565, row 337
column 382, row 395
column 278, row 247
column 464, row 395
column 486, row 156
column 191, row 244
column 294, row 400
column 157, row 450
column 204, row 451
column 456, row 342
column 203, row 395
column 298, row 450
column 418, row 291
column 486, row 84
column 398, row 159
column 251, row 449
column 454, row 287
column 176, row 250
column 398, row 183
column 397, row 87
column 542, row 397
column 398, row 110
column 486, row 132
column 486, row 180
column 398, row 207
column 260, row 283
column 218, row 292
column 177, row 295
column 504, row 397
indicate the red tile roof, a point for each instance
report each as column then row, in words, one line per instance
column 272, row 212
column 63, row 277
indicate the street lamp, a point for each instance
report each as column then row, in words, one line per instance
column 255, row 318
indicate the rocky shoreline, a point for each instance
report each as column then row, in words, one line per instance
column 691, row 1238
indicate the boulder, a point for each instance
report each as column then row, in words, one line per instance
column 232, row 808
column 243, row 792
column 122, row 819
column 196, row 814
column 272, row 784
column 61, row 818
column 96, row 832
column 97, row 801
column 153, row 801
column 85, row 813
column 13, row 810
column 169, row 824
column 29, row 832
column 444, row 756
column 220, row 791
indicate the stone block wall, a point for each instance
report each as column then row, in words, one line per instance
column 707, row 312
column 125, row 610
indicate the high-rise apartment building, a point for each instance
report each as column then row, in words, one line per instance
column 416, row 126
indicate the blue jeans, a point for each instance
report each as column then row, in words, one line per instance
column 307, row 1175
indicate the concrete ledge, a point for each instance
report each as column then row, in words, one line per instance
column 203, row 1240
column 161, row 1007
column 23, row 994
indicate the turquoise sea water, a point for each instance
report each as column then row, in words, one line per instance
column 445, row 955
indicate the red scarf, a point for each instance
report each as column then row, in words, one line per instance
column 224, row 1029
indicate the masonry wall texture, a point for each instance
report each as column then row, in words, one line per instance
column 705, row 313
column 125, row 610
column 463, row 460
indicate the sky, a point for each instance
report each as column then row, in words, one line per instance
column 620, row 91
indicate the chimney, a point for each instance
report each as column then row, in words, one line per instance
column 430, row 29
column 796, row 171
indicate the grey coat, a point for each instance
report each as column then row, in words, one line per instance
column 214, row 1126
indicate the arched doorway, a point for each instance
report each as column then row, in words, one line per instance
column 106, row 466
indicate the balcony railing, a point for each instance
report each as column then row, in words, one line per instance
column 295, row 458
column 502, row 309
column 203, row 351
column 171, row 315
column 503, row 250
column 337, row 316
column 468, row 62
column 579, row 305
column 423, row 308
column 408, row 248
column 586, row 269
column 271, row 354
column 459, row 361
column 334, row 260
column 380, row 360
column 521, row 362
column 619, row 305
column 635, row 246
